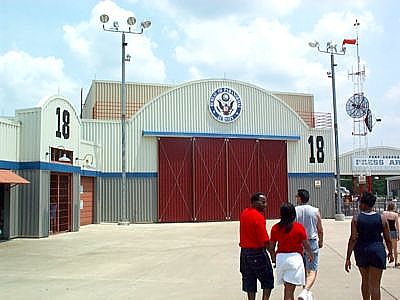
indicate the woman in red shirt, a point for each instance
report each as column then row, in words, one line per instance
column 291, row 237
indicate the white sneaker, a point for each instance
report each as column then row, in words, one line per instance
column 303, row 295
column 310, row 297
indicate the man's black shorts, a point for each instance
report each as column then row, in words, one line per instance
column 255, row 264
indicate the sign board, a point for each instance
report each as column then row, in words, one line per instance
column 377, row 163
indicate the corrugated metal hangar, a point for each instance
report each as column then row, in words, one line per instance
column 381, row 162
column 195, row 152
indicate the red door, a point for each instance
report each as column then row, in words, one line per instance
column 87, row 197
column 273, row 175
column 175, row 171
column 60, row 206
column 242, row 165
column 210, row 202
column 204, row 179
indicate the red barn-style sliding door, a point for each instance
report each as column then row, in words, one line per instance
column 205, row 179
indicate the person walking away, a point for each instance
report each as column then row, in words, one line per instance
column 255, row 263
column 392, row 218
column 366, row 242
column 291, row 238
column 310, row 218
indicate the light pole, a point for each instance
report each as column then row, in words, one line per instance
column 332, row 50
column 123, row 220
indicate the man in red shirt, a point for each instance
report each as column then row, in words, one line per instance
column 254, row 240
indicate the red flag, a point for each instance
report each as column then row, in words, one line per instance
column 349, row 41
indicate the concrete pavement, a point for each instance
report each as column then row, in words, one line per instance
column 159, row 261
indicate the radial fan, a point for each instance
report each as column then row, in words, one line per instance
column 357, row 106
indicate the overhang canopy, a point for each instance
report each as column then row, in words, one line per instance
column 9, row 177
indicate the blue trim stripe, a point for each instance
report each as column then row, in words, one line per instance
column 64, row 168
column 90, row 173
column 296, row 175
column 130, row 175
column 220, row 135
column 38, row 165
column 9, row 165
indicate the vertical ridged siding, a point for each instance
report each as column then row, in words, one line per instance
column 107, row 134
column 14, row 206
column 298, row 102
column 104, row 98
column 33, row 202
column 30, row 129
column 87, row 108
column 141, row 197
column 346, row 159
column 9, row 147
column 185, row 109
column 76, row 183
column 323, row 198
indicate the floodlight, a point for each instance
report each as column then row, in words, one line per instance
column 313, row 44
column 131, row 21
column 104, row 18
column 146, row 24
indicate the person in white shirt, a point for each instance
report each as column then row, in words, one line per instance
column 310, row 218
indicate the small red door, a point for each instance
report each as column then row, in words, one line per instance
column 60, row 206
column 87, row 200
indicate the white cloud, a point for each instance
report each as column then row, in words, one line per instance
column 247, row 50
column 211, row 9
column 27, row 79
column 101, row 51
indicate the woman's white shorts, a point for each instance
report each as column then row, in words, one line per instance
column 290, row 268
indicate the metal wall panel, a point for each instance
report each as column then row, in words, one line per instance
column 107, row 134
column 13, row 209
column 9, row 135
column 29, row 133
column 104, row 98
column 299, row 153
column 298, row 102
column 87, row 108
column 6, row 198
column 323, row 198
column 33, row 201
column 76, row 199
column 44, row 198
column 141, row 197
column 185, row 109
column 60, row 127
column 346, row 160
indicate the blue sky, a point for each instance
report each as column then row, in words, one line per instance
column 58, row 46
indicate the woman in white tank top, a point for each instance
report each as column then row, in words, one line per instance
column 392, row 218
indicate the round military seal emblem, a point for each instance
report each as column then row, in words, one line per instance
column 225, row 105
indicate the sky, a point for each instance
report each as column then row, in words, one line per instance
column 50, row 47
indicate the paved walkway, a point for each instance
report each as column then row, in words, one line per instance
column 159, row 261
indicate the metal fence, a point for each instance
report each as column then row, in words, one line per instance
column 351, row 208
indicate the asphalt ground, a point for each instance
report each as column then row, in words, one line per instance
column 160, row 261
